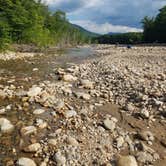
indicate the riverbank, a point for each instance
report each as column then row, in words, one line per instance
column 106, row 110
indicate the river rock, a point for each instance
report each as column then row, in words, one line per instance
column 127, row 161
column 33, row 147
column 87, row 84
column 52, row 142
column 69, row 78
column 28, row 130
column 25, row 162
column 2, row 111
column 70, row 113
column 34, row 91
column 38, row 111
column 41, row 123
column 72, row 141
column 109, row 124
column 6, row 126
column 82, row 95
column 59, row 158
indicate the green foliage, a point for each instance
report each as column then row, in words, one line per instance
column 30, row 22
column 155, row 28
column 124, row 38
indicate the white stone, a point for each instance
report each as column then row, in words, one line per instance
column 38, row 111
column 72, row 141
column 25, row 162
column 87, row 84
column 69, row 78
column 70, row 113
column 60, row 159
column 6, row 126
column 109, row 124
column 33, row 147
column 28, row 130
column 34, row 91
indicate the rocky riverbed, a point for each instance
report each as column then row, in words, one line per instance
column 107, row 109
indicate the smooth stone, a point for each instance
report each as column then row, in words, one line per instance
column 127, row 161
column 34, row 91
column 59, row 158
column 28, row 130
column 33, row 147
column 87, row 84
column 2, row 111
column 70, row 113
column 6, row 126
column 109, row 124
column 52, row 142
column 72, row 141
column 25, row 162
column 38, row 111
column 69, row 78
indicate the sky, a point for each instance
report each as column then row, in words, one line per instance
column 104, row 16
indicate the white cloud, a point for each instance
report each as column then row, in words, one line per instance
column 105, row 28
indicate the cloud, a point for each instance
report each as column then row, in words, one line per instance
column 108, row 13
column 105, row 28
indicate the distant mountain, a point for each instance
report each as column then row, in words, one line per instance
column 114, row 33
column 86, row 32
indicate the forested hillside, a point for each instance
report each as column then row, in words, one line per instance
column 31, row 22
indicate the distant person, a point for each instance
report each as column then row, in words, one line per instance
column 129, row 46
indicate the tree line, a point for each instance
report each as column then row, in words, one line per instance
column 31, row 22
column 154, row 31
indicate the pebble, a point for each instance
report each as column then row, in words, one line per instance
column 109, row 124
column 25, row 162
column 60, row 159
column 72, row 141
column 34, row 91
column 52, row 142
column 33, row 147
column 87, row 84
column 28, row 130
column 70, row 113
column 69, row 78
column 38, row 111
column 127, row 161
column 6, row 126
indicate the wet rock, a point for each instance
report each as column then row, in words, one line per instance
column 28, row 130
column 72, row 141
column 34, row 91
column 59, row 158
column 69, row 78
column 109, row 124
column 127, row 161
column 25, row 162
column 38, row 111
column 33, row 147
column 6, row 126
column 87, row 84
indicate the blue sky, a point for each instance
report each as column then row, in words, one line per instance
column 103, row 16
